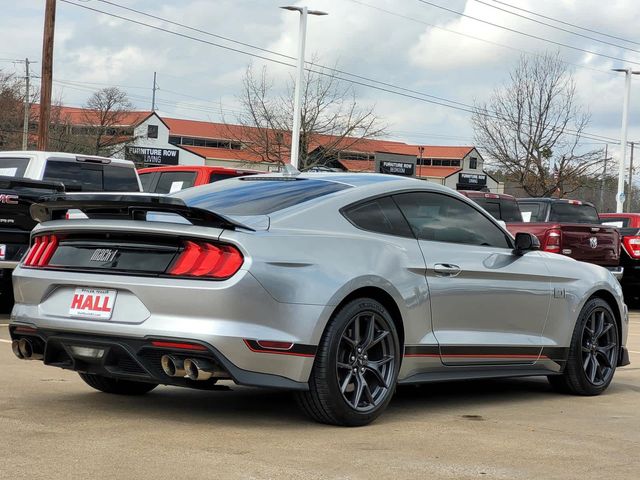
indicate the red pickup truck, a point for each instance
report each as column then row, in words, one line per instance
column 175, row 178
column 571, row 228
column 629, row 227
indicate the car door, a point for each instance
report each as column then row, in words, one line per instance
column 488, row 306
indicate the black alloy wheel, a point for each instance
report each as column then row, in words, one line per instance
column 356, row 366
column 593, row 353
column 599, row 347
column 366, row 361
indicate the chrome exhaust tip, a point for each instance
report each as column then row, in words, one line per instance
column 25, row 347
column 198, row 369
column 173, row 366
column 15, row 347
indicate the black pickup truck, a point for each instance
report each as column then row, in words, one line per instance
column 16, row 197
column 28, row 176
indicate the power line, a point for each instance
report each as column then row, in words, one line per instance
column 530, row 35
column 557, row 28
column 509, row 47
column 566, row 23
column 391, row 88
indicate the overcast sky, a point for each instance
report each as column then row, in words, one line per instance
column 407, row 43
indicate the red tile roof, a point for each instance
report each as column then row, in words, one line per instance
column 83, row 116
column 440, row 172
column 223, row 154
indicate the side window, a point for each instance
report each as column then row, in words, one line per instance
column 441, row 218
column 380, row 215
column 152, row 131
column 146, row 179
column 215, row 177
column 170, row 182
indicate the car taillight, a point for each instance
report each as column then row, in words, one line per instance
column 632, row 246
column 200, row 259
column 552, row 241
column 41, row 251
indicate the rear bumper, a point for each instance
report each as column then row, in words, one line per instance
column 138, row 359
column 220, row 315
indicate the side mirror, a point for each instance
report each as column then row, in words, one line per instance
column 526, row 242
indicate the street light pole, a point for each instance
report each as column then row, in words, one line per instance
column 623, row 140
column 297, row 101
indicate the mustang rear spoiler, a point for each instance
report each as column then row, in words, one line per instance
column 131, row 206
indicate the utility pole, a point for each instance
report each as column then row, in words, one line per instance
column 27, row 104
column 153, row 97
column 631, row 177
column 47, row 74
column 604, row 175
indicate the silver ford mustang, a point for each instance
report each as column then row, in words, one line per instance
column 336, row 286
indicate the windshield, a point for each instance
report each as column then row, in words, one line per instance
column 89, row 177
column 573, row 213
column 501, row 209
column 257, row 195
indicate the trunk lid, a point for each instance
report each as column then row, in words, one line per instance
column 597, row 244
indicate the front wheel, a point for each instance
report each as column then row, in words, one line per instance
column 593, row 354
column 356, row 367
column 116, row 385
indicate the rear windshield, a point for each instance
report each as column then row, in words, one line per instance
column 91, row 177
column 13, row 167
column 170, row 182
column 573, row 213
column 532, row 212
column 500, row 208
column 257, row 195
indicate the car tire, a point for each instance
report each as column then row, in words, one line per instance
column 593, row 353
column 116, row 385
column 356, row 366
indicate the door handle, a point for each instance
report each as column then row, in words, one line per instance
column 446, row 270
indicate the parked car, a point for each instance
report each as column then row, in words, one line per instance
column 336, row 286
column 175, row 178
column 27, row 176
column 502, row 206
column 629, row 226
column 571, row 228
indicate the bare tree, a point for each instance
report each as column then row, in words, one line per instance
column 105, row 116
column 332, row 119
column 11, row 112
column 531, row 129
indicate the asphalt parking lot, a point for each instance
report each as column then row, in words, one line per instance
column 53, row 426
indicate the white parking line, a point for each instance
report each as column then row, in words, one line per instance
column 4, row 324
column 633, row 351
column 4, row 341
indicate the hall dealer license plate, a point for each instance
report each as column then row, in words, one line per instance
column 92, row 303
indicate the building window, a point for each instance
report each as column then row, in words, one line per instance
column 424, row 161
column 355, row 156
column 473, row 163
column 175, row 140
column 152, row 131
column 440, row 162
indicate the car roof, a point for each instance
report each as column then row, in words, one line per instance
column 40, row 155
column 480, row 194
column 196, row 168
column 621, row 215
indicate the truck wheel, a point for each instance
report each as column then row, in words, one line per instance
column 116, row 385
column 593, row 354
column 356, row 367
column 6, row 291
